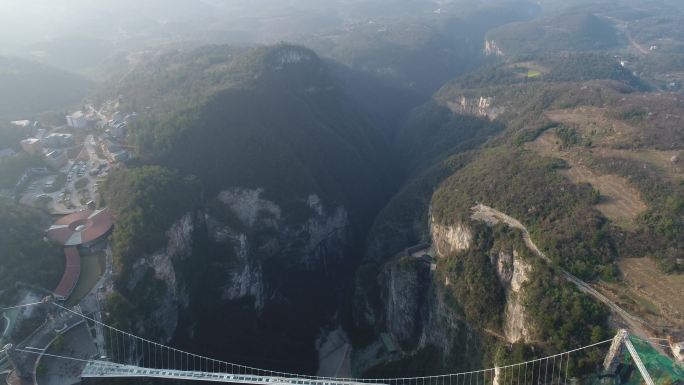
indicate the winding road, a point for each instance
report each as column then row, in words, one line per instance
column 492, row 216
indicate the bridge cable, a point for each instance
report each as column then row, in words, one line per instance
column 159, row 348
column 20, row 306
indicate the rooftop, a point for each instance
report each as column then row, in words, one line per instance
column 81, row 227
column 72, row 271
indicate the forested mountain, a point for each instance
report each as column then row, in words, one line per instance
column 575, row 30
column 424, row 177
column 567, row 144
column 285, row 173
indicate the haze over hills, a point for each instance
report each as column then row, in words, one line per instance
column 417, row 187
column 30, row 88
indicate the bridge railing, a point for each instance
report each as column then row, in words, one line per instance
column 128, row 355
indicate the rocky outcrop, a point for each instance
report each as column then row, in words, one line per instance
column 325, row 233
column 244, row 276
column 482, row 106
column 266, row 232
column 315, row 240
column 492, row 49
column 513, row 272
column 405, row 296
column 249, row 207
column 158, row 269
column 447, row 240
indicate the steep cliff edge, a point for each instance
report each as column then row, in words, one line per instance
column 482, row 106
column 288, row 174
column 491, row 48
column 467, row 286
column 450, row 239
column 513, row 272
column 156, row 280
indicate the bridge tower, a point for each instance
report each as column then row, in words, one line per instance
column 20, row 370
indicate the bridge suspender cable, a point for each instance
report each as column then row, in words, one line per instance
column 133, row 356
column 157, row 360
column 21, row 306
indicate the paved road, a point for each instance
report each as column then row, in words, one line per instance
column 41, row 339
column 492, row 216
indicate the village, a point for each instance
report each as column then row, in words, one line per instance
column 74, row 158
column 69, row 162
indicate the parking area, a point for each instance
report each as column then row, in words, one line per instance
column 69, row 189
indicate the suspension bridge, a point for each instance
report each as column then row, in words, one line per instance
column 125, row 355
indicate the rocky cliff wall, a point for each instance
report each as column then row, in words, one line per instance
column 447, row 240
column 482, row 106
column 513, row 272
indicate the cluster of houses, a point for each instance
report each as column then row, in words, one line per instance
column 115, row 131
column 54, row 146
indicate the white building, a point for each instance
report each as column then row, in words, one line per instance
column 77, row 120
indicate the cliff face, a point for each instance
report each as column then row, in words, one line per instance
column 405, row 296
column 155, row 276
column 492, row 49
column 414, row 311
column 411, row 313
column 447, row 240
column 316, row 236
column 222, row 254
column 244, row 276
column 513, row 272
column 482, row 106
column 412, row 317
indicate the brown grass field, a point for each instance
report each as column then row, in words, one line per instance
column 621, row 203
column 648, row 292
column 594, row 124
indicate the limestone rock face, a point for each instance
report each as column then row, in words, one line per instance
column 492, row 49
column 158, row 270
column 450, row 239
column 266, row 232
column 513, row 272
column 482, row 106
column 405, row 298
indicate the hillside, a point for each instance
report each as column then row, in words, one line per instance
column 288, row 173
column 28, row 88
column 575, row 30
column 281, row 102
column 583, row 154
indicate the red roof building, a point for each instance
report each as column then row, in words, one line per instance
column 72, row 272
column 81, row 228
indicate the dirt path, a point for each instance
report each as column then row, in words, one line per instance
column 636, row 325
